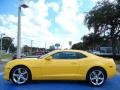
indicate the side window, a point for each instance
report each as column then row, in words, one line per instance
column 68, row 55
column 58, row 55
column 74, row 55
column 79, row 56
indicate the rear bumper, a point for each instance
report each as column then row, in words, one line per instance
column 111, row 71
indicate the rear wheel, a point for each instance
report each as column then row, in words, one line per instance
column 20, row 75
column 96, row 77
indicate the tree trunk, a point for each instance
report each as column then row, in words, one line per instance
column 113, row 42
column 114, row 47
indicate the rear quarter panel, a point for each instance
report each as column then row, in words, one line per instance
column 107, row 64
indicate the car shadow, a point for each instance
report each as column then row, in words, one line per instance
column 58, row 82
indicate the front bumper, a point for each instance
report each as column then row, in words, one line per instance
column 6, row 73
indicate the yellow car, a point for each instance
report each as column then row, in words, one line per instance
column 61, row 65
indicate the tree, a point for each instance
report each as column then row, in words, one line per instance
column 52, row 47
column 57, row 45
column 26, row 48
column 12, row 48
column 92, row 41
column 7, row 44
column 78, row 46
column 104, row 18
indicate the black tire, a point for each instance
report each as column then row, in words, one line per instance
column 96, row 76
column 20, row 78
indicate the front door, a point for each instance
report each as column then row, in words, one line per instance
column 62, row 65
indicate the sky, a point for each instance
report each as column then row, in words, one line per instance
column 46, row 22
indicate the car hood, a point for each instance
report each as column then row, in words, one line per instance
column 23, row 61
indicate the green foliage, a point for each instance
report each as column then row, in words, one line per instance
column 104, row 18
column 90, row 42
column 6, row 56
column 13, row 48
column 7, row 44
column 26, row 48
column 57, row 45
column 52, row 47
column 78, row 46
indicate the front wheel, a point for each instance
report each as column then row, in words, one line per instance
column 96, row 77
column 20, row 75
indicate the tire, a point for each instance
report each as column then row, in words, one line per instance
column 96, row 76
column 20, row 75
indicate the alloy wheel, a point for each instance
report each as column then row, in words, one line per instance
column 20, row 75
column 97, row 77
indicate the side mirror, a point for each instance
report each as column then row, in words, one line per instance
column 48, row 58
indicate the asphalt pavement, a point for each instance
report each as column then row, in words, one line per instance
column 111, row 84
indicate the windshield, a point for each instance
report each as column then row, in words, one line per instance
column 46, row 55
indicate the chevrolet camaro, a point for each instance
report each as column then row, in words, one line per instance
column 61, row 65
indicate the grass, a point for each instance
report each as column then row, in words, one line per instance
column 6, row 56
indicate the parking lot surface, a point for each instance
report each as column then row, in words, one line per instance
column 111, row 84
